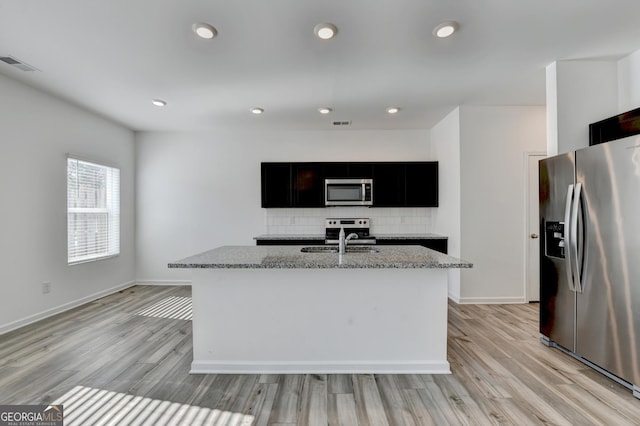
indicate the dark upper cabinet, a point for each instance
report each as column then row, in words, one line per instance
column 348, row 170
column 421, row 184
column 276, row 184
column 292, row 185
column 293, row 242
column 361, row 170
column 308, row 185
column 336, row 170
column 395, row 184
column 617, row 127
column 388, row 185
column 406, row 184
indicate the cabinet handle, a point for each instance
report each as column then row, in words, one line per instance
column 534, row 236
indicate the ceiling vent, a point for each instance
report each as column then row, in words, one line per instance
column 16, row 63
column 342, row 123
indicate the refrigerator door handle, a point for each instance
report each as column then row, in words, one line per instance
column 573, row 240
column 568, row 239
column 576, row 263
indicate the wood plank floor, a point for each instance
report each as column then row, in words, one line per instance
column 109, row 365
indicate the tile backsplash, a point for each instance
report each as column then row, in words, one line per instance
column 413, row 220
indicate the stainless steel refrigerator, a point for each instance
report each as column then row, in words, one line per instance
column 590, row 257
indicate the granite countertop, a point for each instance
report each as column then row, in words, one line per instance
column 322, row 236
column 290, row 257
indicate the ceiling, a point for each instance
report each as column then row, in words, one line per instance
column 114, row 56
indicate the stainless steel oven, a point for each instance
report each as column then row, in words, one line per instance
column 348, row 192
column 358, row 226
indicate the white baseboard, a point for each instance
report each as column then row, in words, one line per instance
column 58, row 309
column 454, row 297
column 163, row 282
column 489, row 300
column 319, row 367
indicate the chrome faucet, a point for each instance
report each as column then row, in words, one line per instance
column 343, row 241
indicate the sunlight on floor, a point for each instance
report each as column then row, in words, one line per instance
column 171, row 307
column 88, row 406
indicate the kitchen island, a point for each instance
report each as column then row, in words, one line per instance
column 275, row 309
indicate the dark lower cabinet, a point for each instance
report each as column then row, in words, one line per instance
column 290, row 242
column 437, row 244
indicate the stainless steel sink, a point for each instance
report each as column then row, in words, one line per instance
column 333, row 249
column 319, row 249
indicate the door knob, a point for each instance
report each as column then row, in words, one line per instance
column 534, row 236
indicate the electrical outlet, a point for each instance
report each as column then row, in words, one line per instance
column 46, row 287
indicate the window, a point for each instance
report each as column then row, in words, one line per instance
column 93, row 211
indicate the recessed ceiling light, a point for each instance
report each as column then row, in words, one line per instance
column 256, row 110
column 445, row 29
column 324, row 110
column 204, row 30
column 159, row 102
column 393, row 110
column 325, row 31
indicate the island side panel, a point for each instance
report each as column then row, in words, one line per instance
column 320, row 321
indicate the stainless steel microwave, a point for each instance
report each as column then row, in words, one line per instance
column 348, row 192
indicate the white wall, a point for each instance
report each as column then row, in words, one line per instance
column 492, row 175
column 200, row 190
column 37, row 132
column 629, row 82
column 583, row 92
column 445, row 147
column 578, row 93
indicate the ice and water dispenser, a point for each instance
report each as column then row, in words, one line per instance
column 554, row 239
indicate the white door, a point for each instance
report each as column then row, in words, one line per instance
column 532, row 244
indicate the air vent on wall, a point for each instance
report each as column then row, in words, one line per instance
column 342, row 123
column 16, row 63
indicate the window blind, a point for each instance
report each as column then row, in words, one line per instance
column 93, row 211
